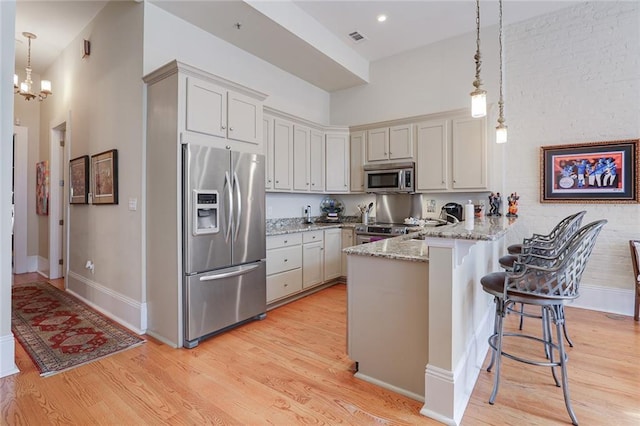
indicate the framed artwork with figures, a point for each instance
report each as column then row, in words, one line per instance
column 104, row 167
column 596, row 172
column 79, row 178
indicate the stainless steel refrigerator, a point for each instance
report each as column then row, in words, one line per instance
column 224, row 240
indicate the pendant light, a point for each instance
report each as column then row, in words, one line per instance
column 501, row 129
column 479, row 95
column 25, row 88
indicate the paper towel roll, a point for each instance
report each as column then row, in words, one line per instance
column 468, row 215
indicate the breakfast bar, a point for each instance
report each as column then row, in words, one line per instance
column 418, row 320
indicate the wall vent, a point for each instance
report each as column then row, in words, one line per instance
column 357, row 37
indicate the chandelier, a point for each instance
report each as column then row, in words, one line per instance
column 25, row 88
column 479, row 95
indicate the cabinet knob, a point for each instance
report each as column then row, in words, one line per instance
column 286, row 241
column 313, row 184
column 223, row 127
column 286, row 285
column 286, row 260
column 269, row 180
column 228, row 146
column 231, row 129
column 277, row 181
column 307, row 183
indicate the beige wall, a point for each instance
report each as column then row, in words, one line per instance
column 100, row 99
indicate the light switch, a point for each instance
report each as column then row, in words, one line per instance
column 133, row 204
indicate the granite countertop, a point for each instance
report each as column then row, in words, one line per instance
column 406, row 247
column 289, row 226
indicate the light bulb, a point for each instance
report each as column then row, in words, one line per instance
column 501, row 134
column 45, row 86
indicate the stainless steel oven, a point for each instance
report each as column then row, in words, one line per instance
column 378, row 231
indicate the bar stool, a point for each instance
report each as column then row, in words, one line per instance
column 550, row 287
column 544, row 246
column 547, row 239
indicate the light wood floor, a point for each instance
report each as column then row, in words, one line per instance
column 292, row 368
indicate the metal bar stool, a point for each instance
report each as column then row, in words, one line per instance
column 549, row 287
column 540, row 239
column 545, row 246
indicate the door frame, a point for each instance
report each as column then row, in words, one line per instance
column 20, row 193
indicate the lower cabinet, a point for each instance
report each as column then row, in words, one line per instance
column 299, row 261
column 348, row 240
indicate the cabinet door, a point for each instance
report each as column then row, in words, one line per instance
column 244, row 118
column 432, row 159
column 332, row 254
column 206, row 108
column 378, row 144
column 301, row 181
column 347, row 241
column 357, row 161
column 469, row 153
column 316, row 160
column 312, row 264
column 267, row 132
column 337, row 161
column 282, row 154
column 401, row 142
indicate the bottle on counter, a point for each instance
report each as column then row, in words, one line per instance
column 469, row 213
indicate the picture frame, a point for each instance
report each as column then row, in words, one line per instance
column 79, row 180
column 42, row 188
column 593, row 172
column 104, row 185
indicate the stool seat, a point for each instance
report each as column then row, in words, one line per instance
column 514, row 249
column 507, row 261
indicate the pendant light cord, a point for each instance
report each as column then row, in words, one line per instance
column 477, row 83
column 501, row 101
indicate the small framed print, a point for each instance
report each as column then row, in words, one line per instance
column 596, row 172
column 104, row 168
column 79, row 177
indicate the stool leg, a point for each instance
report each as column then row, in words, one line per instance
column 548, row 337
column 500, row 311
column 558, row 313
column 493, row 336
column 564, row 328
column 521, row 315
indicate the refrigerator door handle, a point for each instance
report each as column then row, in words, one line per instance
column 236, row 184
column 240, row 270
column 227, row 184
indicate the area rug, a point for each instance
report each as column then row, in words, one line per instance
column 59, row 332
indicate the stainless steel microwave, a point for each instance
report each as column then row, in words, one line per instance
column 389, row 177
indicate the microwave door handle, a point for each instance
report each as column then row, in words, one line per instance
column 401, row 176
column 227, row 185
column 236, row 185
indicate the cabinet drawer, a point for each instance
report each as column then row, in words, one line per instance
column 284, row 284
column 312, row 236
column 283, row 259
column 286, row 240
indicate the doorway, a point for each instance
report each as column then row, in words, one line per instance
column 58, row 205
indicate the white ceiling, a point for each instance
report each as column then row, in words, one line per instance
column 308, row 38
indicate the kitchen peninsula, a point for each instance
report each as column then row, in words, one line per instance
column 418, row 320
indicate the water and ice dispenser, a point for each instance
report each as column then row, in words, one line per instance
column 205, row 212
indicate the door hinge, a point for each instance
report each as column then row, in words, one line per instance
column 61, row 222
column 61, row 182
column 60, row 262
column 62, row 142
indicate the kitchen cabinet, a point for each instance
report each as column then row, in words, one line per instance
column 348, row 240
column 215, row 110
column 337, row 162
column 267, row 132
column 357, row 156
column 284, row 266
column 308, row 159
column 312, row 258
column 390, row 143
column 282, row 154
column 469, row 153
column 332, row 253
column 451, row 155
column 431, row 155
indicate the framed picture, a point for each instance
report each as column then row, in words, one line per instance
column 79, row 177
column 596, row 172
column 42, row 188
column 105, row 177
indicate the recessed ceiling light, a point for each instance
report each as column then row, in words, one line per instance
column 382, row 18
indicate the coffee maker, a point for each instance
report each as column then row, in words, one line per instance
column 451, row 211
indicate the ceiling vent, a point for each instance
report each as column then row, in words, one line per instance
column 357, row 37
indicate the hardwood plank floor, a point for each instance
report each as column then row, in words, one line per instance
column 292, row 368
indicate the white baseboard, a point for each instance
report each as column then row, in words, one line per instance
column 42, row 266
column 32, row 263
column 122, row 309
column 605, row 299
column 8, row 355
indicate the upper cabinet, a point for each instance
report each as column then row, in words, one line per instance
column 390, row 143
column 337, row 164
column 282, row 154
column 357, row 156
column 316, row 160
column 451, row 155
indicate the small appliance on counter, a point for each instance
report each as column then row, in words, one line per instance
column 451, row 211
column 331, row 209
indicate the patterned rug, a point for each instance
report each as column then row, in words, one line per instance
column 59, row 332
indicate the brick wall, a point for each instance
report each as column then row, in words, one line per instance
column 574, row 76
